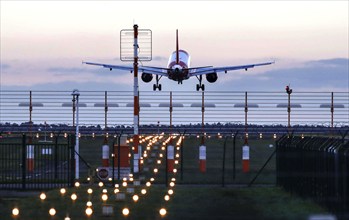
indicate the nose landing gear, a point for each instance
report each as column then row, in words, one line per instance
column 200, row 85
column 157, row 85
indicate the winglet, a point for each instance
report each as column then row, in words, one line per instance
column 177, row 48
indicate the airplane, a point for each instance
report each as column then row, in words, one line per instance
column 178, row 69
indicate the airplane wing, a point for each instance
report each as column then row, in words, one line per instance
column 146, row 69
column 206, row 70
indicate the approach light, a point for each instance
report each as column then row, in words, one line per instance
column 104, row 197
column 15, row 211
column 62, row 191
column 162, row 212
column 135, row 198
column 170, row 191
column 125, row 211
column 52, row 211
column 42, row 196
column 73, row 197
column 88, row 211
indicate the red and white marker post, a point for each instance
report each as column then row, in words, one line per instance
column 30, row 158
column 170, row 158
column 245, row 159
column 105, row 155
column 202, row 158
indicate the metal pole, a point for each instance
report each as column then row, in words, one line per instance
column 332, row 111
column 182, row 151
column 77, row 168
column 202, row 118
column 171, row 117
column 30, row 118
column 246, row 110
column 223, row 166
column 76, row 95
column 135, row 102
column 105, row 117
column 234, row 154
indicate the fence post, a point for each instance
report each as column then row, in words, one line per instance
column 72, row 159
column 223, row 165
column 24, row 161
column 56, row 156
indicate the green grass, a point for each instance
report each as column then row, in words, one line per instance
column 195, row 201
column 187, row 202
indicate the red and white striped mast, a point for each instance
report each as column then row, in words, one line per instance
column 135, row 102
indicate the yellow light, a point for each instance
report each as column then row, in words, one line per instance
column 162, row 212
column 177, row 155
column 167, row 197
column 124, row 179
column 274, row 136
column 173, row 179
column 89, row 203
column 88, row 211
column 104, row 190
column 131, row 179
column 124, row 184
column 110, row 179
column 42, row 196
column 156, row 170
column 148, row 184
column 62, row 191
column 116, row 186
column 178, row 148
column 152, row 179
column 88, row 178
column 73, row 197
column 67, row 218
column 172, row 184
column 15, row 211
column 143, row 191
column 176, row 161
column 89, row 191
column 100, row 184
column 52, row 211
column 160, row 155
column 77, row 184
column 135, row 198
column 170, row 191
column 116, row 191
column 125, row 211
column 159, row 161
column 175, row 170
column 104, row 197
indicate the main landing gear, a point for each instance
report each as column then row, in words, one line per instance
column 200, row 85
column 157, row 85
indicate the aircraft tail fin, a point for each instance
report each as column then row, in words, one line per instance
column 177, row 48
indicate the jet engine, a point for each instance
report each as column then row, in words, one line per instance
column 146, row 77
column 212, row 77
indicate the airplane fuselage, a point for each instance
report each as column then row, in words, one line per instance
column 178, row 70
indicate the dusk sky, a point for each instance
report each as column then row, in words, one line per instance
column 44, row 42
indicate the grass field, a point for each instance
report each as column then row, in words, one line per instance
column 187, row 202
column 196, row 195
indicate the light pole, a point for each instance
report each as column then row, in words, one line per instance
column 76, row 95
